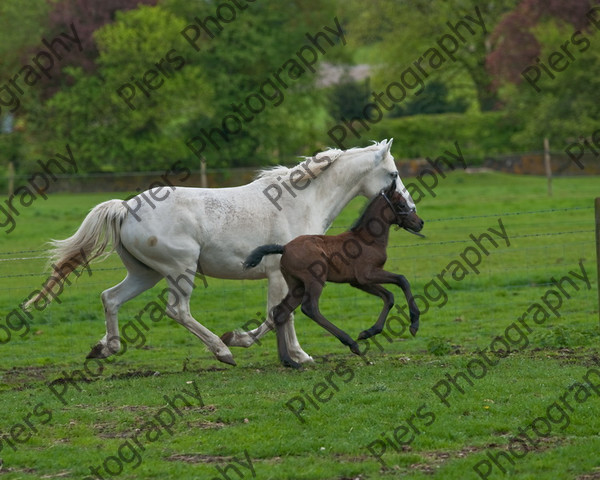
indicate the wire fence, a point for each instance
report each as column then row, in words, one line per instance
column 542, row 246
column 571, row 233
column 195, row 175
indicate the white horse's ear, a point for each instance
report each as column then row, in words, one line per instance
column 388, row 146
column 385, row 149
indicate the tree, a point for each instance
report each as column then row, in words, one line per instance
column 115, row 126
column 514, row 41
column 16, row 43
column 564, row 108
column 349, row 97
column 556, row 105
column 399, row 32
column 99, row 125
column 248, row 52
column 87, row 16
column 434, row 99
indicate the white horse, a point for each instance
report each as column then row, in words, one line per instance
column 186, row 230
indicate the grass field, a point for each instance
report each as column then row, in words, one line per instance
column 495, row 380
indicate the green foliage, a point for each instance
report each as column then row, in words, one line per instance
column 563, row 109
column 204, row 86
column 198, row 92
column 433, row 99
column 401, row 31
column 479, row 135
column 10, row 146
column 247, row 53
column 104, row 133
column 348, row 98
column 27, row 36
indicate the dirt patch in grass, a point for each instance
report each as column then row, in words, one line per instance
column 109, row 430
column 437, row 458
column 21, row 378
column 6, row 471
column 590, row 476
column 572, row 356
column 134, row 374
column 127, row 408
column 198, row 458
column 62, row 474
column 206, row 425
column 352, row 458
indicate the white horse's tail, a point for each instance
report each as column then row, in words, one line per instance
column 101, row 227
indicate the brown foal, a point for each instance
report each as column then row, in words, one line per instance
column 355, row 257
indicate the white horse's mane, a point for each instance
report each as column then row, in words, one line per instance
column 316, row 168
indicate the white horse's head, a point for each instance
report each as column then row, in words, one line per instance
column 338, row 176
column 382, row 171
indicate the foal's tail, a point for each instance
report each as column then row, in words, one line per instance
column 101, row 227
column 258, row 253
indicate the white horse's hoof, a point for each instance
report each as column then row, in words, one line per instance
column 102, row 351
column 226, row 358
column 98, row 351
column 302, row 358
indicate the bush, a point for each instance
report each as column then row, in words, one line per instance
column 418, row 136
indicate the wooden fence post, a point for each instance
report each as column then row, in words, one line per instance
column 597, row 209
column 547, row 165
column 11, row 179
column 203, row 180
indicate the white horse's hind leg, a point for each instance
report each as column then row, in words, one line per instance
column 178, row 308
column 139, row 279
column 277, row 291
column 239, row 338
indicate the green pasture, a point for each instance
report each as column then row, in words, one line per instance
column 108, row 415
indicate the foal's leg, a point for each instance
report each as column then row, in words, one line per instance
column 381, row 276
column 277, row 291
column 310, row 307
column 139, row 279
column 388, row 303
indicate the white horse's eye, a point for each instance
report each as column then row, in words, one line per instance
column 394, row 174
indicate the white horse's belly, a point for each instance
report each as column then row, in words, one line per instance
column 188, row 228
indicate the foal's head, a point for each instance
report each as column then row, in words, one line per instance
column 404, row 216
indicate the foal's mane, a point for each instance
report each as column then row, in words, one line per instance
column 316, row 168
column 359, row 221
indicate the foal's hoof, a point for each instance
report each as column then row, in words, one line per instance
column 98, row 351
column 288, row 362
column 227, row 358
column 413, row 329
column 354, row 348
column 363, row 335
column 227, row 337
